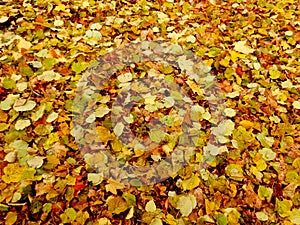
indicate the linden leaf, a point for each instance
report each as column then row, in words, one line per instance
column 112, row 186
column 156, row 135
column 190, row 39
column 156, row 221
column 8, row 102
column 49, row 63
column 102, row 221
column 235, row 56
column 295, row 216
column 39, row 113
column 283, row 207
column 235, row 172
column 104, row 134
column 69, row 215
column 116, row 204
column 9, row 83
column 186, row 204
column 101, row 111
column 51, row 117
column 11, row 218
column 22, row 124
column 150, row 206
column 126, row 77
column 118, row 129
column 78, row 67
column 3, row 126
column 274, row 74
column 267, row 154
column 241, row 46
column 11, row 157
column 230, row 112
column 26, row 70
column 129, row 198
column 49, row 76
column 262, row 216
column 95, row 178
column 22, row 105
column 3, row 19
column 58, row 23
column 296, row 104
column 24, row 44
column 130, row 213
column 12, row 173
column 221, row 219
column 265, row 193
column 36, row 161
column 191, row 183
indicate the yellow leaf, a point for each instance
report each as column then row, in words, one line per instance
column 150, row 206
column 130, row 213
column 235, row 55
column 24, row 44
column 104, row 134
column 116, row 204
column 191, row 183
column 112, row 186
column 224, row 62
column 11, row 218
column 102, row 221
column 241, row 46
column 195, row 88
column 12, row 173
column 170, row 220
column 247, row 124
column 274, row 74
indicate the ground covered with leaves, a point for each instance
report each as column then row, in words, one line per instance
column 253, row 50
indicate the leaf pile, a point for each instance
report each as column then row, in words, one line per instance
column 253, row 48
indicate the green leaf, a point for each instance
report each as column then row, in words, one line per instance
column 130, row 199
column 221, row 219
column 79, row 67
column 292, row 177
column 213, row 52
column 9, row 83
column 26, row 70
column 49, row 63
column 265, row 193
column 156, row 135
column 283, row 207
column 69, row 215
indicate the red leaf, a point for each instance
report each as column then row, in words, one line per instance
column 79, row 186
column 239, row 71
